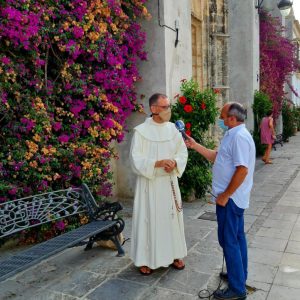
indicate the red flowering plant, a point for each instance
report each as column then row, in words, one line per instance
column 67, row 78
column 198, row 110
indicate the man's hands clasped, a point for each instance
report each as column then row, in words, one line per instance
column 168, row 164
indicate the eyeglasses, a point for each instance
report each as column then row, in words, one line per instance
column 165, row 107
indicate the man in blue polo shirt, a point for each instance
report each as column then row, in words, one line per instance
column 233, row 170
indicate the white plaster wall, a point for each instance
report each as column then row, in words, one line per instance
column 179, row 59
column 243, row 54
column 296, row 85
column 296, row 81
column 165, row 67
column 289, row 33
column 255, row 35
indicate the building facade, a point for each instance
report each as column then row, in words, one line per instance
column 293, row 33
column 199, row 51
column 296, row 75
column 167, row 64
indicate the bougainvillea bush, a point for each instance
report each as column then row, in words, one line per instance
column 67, row 76
column 198, row 110
column 277, row 60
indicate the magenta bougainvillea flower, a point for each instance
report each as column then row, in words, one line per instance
column 56, row 126
column 63, row 138
column 5, row 60
column 60, row 225
column 276, row 60
column 78, row 32
column 67, row 85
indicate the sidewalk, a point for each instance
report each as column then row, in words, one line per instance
column 273, row 231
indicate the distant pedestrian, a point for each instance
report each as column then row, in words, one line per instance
column 233, row 170
column 158, row 156
column 267, row 135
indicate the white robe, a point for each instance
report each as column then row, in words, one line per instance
column 157, row 227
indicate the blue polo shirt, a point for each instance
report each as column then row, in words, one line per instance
column 237, row 148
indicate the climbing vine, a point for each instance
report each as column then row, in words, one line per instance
column 277, row 60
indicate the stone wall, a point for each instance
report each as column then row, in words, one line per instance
column 210, row 48
column 243, row 54
column 202, row 52
column 165, row 67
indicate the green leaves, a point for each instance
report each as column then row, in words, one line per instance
column 290, row 117
column 261, row 106
column 198, row 110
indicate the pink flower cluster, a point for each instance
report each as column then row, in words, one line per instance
column 276, row 60
column 67, row 85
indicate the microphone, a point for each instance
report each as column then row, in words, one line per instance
column 181, row 128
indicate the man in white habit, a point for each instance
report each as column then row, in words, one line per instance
column 158, row 157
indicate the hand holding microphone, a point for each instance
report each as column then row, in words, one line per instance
column 189, row 141
column 181, row 128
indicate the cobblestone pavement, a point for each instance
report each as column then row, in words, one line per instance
column 273, row 231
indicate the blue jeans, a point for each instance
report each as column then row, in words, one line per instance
column 232, row 239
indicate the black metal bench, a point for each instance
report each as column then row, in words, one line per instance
column 29, row 212
column 278, row 141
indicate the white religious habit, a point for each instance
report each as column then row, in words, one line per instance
column 157, row 225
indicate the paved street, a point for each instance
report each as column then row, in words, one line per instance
column 273, row 230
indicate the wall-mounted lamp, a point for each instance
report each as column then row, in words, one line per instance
column 259, row 4
column 176, row 29
column 283, row 5
column 177, row 32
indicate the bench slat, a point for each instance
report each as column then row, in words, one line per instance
column 19, row 262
